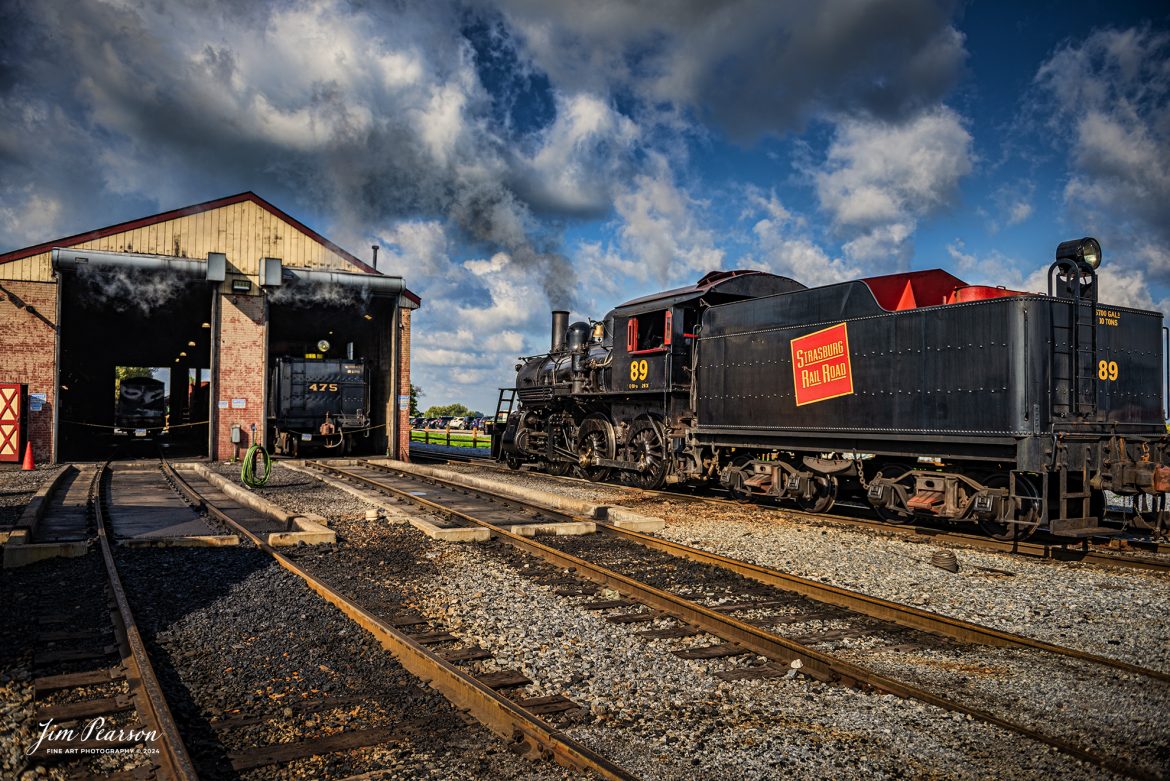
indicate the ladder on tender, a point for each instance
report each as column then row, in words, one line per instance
column 1074, row 370
column 504, row 405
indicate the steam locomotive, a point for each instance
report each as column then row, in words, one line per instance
column 929, row 397
column 140, row 409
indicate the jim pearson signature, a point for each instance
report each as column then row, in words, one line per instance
column 57, row 739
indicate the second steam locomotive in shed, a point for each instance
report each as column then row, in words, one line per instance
column 924, row 395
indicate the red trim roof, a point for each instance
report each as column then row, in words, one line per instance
column 70, row 241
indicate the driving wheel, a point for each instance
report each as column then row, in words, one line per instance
column 595, row 438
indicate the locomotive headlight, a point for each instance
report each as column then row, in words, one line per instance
column 1086, row 250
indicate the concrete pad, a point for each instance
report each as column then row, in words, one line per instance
column 543, row 498
column 307, row 532
column 557, row 529
column 635, row 522
column 34, row 511
column 21, row 555
column 310, row 529
column 458, row 534
column 618, row 516
column 392, row 512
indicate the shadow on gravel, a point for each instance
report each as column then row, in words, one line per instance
column 166, row 586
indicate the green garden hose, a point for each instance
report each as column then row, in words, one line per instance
column 248, row 474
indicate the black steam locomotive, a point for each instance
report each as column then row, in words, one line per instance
column 140, row 409
column 318, row 403
column 927, row 396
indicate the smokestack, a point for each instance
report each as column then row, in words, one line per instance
column 375, row 249
column 560, row 324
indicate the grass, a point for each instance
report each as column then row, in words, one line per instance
column 452, row 438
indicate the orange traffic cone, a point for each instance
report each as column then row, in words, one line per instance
column 28, row 465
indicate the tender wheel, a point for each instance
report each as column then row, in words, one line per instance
column 292, row 445
column 513, row 461
column 885, row 514
column 595, row 438
column 736, row 489
column 822, row 500
column 646, row 446
column 1031, row 510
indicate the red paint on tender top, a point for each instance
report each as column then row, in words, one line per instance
column 981, row 293
column 935, row 287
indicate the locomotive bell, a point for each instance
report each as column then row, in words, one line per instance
column 1086, row 250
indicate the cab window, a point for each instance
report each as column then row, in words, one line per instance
column 649, row 331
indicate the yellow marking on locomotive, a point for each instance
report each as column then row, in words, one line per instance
column 1109, row 317
column 639, row 370
column 1107, row 370
column 323, row 387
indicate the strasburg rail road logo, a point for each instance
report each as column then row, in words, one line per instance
column 92, row 738
column 820, row 365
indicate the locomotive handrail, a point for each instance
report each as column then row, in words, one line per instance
column 1166, row 367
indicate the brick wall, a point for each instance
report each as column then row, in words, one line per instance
column 403, row 384
column 28, row 343
column 243, row 333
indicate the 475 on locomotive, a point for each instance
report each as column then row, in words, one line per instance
column 927, row 396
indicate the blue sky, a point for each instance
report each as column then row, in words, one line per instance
column 517, row 155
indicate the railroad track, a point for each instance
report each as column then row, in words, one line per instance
column 873, row 644
column 414, row 641
column 1096, row 552
column 93, row 675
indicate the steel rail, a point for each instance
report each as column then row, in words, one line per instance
column 175, row 763
column 521, row 729
column 875, row 607
column 775, row 647
column 1056, row 551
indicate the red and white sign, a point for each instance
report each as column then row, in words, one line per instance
column 820, row 365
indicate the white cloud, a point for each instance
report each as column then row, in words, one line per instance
column 879, row 179
column 662, row 227
column 785, row 246
column 581, row 156
column 1018, row 212
column 1108, row 97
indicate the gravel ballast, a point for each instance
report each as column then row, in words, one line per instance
column 1118, row 613
column 236, row 637
column 657, row 714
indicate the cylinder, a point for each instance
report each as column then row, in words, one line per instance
column 560, row 324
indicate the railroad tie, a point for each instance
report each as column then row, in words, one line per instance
column 504, row 679
column 716, row 651
column 672, row 632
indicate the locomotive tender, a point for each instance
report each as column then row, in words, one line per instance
column 929, row 397
column 318, row 402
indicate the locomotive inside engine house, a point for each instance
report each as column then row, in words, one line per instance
column 915, row 392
